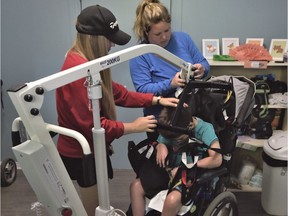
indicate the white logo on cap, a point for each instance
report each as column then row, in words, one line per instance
column 113, row 24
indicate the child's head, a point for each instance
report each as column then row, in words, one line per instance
column 183, row 121
column 193, row 122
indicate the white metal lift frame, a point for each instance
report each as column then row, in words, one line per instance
column 38, row 156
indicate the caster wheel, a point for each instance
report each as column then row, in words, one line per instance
column 8, row 172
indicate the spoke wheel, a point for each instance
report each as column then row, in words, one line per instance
column 8, row 172
column 225, row 204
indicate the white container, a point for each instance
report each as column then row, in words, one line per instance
column 274, row 183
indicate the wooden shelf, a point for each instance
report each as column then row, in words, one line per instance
column 245, row 188
column 249, row 143
column 277, row 106
column 236, row 68
column 240, row 63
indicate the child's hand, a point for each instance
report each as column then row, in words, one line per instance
column 161, row 154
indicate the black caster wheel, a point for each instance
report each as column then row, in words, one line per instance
column 8, row 172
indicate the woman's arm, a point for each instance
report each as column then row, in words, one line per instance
column 126, row 98
column 150, row 74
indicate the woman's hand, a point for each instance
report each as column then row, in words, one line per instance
column 141, row 124
column 172, row 102
column 161, row 154
column 199, row 72
column 177, row 81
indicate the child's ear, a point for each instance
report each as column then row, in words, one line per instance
column 195, row 121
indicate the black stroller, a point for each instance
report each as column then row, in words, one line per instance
column 225, row 102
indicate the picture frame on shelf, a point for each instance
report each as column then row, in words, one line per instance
column 277, row 48
column 258, row 41
column 229, row 43
column 210, row 47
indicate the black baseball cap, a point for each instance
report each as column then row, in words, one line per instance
column 97, row 20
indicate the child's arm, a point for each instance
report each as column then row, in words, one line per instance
column 162, row 152
column 213, row 160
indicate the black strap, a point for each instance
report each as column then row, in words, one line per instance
column 193, row 147
column 188, row 183
column 174, row 129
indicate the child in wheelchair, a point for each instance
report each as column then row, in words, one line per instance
column 177, row 175
column 172, row 156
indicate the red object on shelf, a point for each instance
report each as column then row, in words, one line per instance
column 250, row 52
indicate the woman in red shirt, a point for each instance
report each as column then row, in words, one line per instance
column 97, row 32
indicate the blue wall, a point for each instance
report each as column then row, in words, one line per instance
column 243, row 19
column 35, row 35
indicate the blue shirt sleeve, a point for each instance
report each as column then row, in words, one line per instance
column 147, row 73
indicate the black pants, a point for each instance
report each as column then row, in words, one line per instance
column 75, row 169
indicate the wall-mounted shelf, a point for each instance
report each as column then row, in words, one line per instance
column 240, row 63
column 236, row 68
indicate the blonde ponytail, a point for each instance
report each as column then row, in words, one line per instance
column 149, row 12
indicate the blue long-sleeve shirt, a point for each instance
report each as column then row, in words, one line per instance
column 152, row 74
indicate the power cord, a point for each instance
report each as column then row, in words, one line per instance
column 38, row 208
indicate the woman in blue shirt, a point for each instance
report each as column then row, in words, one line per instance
column 149, row 72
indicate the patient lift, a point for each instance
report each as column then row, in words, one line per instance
column 38, row 156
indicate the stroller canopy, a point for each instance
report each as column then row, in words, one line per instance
column 244, row 91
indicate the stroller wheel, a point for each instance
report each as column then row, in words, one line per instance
column 225, row 204
column 8, row 172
